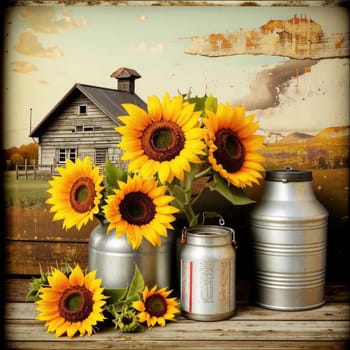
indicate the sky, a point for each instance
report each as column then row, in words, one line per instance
column 48, row 49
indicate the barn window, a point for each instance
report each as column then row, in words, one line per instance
column 82, row 128
column 83, row 109
column 100, row 155
column 66, row 153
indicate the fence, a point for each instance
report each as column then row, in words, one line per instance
column 35, row 171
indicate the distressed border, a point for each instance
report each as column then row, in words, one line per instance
column 288, row 3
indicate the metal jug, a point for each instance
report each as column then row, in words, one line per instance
column 289, row 239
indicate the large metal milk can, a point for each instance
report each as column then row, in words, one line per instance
column 289, row 238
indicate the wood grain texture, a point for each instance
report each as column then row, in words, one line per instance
column 32, row 255
column 252, row 327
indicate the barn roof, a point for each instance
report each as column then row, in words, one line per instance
column 109, row 101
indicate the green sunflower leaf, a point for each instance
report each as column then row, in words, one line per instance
column 181, row 196
column 199, row 102
column 211, row 103
column 115, row 295
column 233, row 194
column 113, row 174
column 35, row 285
column 137, row 285
column 193, row 220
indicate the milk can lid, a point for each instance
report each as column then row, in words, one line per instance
column 288, row 174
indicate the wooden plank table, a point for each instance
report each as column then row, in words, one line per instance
column 252, row 327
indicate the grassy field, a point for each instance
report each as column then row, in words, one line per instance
column 331, row 154
column 331, row 187
column 24, row 193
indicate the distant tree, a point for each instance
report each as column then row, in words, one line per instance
column 16, row 159
column 18, row 155
column 30, row 152
column 10, row 151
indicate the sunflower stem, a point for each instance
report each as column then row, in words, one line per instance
column 199, row 194
column 192, row 218
column 203, row 173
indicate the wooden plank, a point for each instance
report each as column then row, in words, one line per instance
column 252, row 327
column 178, row 344
column 30, row 224
column 27, row 257
column 331, row 311
column 232, row 330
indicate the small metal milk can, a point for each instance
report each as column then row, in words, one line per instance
column 289, row 238
column 207, row 276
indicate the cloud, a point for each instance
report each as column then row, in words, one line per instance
column 146, row 48
column 271, row 82
column 29, row 45
column 44, row 20
column 142, row 18
column 43, row 82
column 23, row 67
column 311, row 101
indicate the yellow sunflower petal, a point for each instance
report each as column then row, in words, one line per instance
column 54, row 324
column 73, row 328
column 58, row 281
column 76, row 278
column 154, row 108
column 62, row 329
column 164, row 171
column 138, row 305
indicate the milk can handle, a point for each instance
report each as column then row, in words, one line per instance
column 211, row 214
column 183, row 235
column 234, row 242
column 221, row 223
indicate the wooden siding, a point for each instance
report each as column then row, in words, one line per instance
column 62, row 133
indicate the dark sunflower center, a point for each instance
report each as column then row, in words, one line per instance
column 127, row 319
column 163, row 140
column 75, row 304
column 82, row 195
column 231, row 152
column 137, row 208
column 156, row 305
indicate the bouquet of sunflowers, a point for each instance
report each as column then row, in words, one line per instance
column 169, row 147
column 182, row 140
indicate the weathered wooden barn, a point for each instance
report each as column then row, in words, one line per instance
column 83, row 122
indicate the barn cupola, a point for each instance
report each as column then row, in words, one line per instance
column 126, row 79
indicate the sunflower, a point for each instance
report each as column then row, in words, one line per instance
column 127, row 321
column 140, row 208
column 71, row 304
column 155, row 307
column 164, row 140
column 76, row 193
column 232, row 145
